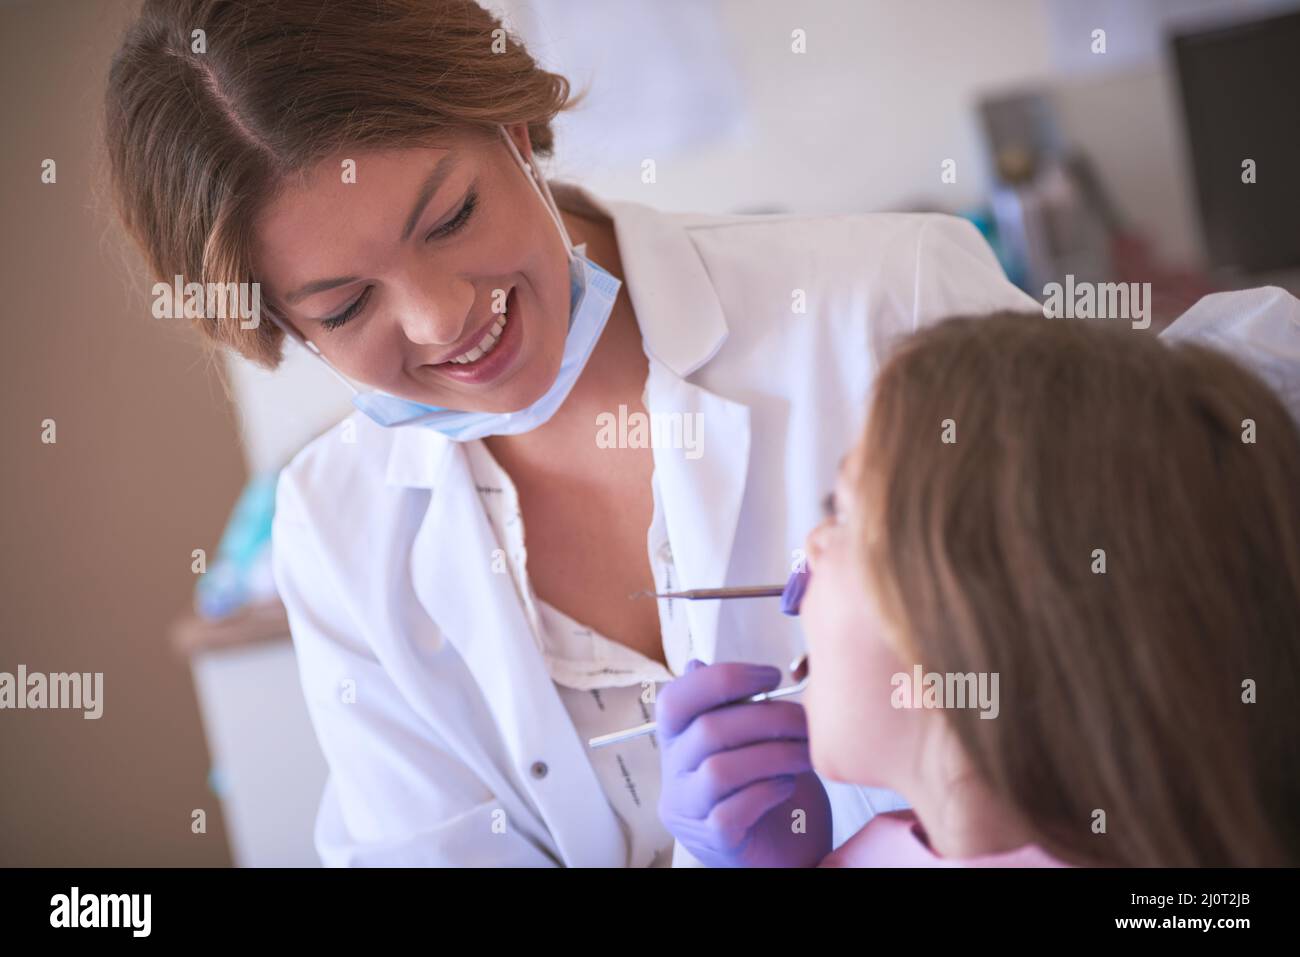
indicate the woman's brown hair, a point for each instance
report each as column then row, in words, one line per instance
column 1126, row 691
column 201, row 129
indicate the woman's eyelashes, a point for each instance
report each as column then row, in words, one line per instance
column 453, row 225
column 457, row 221
column 333, row 322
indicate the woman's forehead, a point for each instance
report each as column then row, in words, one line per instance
column 352, row 200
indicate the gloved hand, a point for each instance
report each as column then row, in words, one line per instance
column 735, row 774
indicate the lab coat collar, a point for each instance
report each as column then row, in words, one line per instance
column 417, row 456
column 677, row 308
column 681, row 320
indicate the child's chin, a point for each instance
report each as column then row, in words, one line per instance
column 824, row 763
column 840, row 762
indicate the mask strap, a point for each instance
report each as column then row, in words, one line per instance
column 310, row 347
column 541, row 188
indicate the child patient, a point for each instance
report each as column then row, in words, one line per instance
column 1055, row 604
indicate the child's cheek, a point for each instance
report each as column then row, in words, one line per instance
column 828, row 604
column 832, row 617
column 851, row 723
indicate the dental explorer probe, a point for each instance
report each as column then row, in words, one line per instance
column 791, row 597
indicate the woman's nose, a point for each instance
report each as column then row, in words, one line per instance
column 437, row 312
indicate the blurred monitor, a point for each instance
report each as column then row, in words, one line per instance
column 1240, row 88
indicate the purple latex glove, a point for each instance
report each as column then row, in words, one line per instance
column 735, row 772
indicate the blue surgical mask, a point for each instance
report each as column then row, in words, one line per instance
column 592, row 292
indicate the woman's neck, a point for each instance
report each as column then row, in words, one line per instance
column 614, row 374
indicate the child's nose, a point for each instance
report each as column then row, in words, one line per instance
column 813, row 543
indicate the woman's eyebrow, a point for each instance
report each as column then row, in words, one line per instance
column 315, row 286
column 445, row 167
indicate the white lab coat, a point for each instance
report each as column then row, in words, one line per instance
column 1259, row 328
column 446, row 740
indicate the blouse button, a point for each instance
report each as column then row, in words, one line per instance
column 539, row 769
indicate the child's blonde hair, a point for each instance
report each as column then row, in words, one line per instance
column 1113, row 529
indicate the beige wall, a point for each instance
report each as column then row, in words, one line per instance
column 97, row 529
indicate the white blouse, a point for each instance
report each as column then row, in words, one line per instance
column 605, row 686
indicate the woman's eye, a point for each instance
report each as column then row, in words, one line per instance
column 333, row 322
column 456, row 222
column 828, row 506
column 446, row 229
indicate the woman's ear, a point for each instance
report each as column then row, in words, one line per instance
column 518, row 133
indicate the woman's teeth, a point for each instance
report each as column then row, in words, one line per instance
column 486, row 344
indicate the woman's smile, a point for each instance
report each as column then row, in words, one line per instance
column 493, row 351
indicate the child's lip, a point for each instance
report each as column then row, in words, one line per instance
column 799, row 667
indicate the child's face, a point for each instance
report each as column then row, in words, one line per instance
column 855, row 735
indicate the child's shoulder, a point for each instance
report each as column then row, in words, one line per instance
column 897, row 839
column 889, row 839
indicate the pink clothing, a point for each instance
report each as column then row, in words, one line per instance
column 896, row 839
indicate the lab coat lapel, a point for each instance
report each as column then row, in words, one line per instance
column 703, row 495
column 683, row 327
column 483, row 617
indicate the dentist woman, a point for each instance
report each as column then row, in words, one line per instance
column 457, row 556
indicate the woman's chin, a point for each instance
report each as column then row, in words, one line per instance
column 514, row 396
